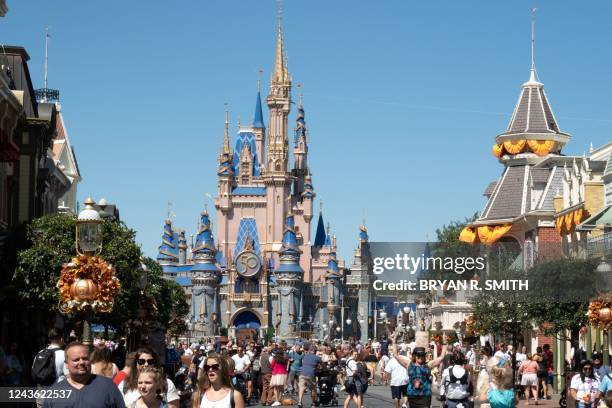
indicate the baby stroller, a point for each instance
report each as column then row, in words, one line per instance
column 326, row 387
column 239, row 383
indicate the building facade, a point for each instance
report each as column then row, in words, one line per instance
column 35, row 173
column 266, row 274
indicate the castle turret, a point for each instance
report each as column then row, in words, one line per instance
column 182, row 248
column 279, row 103
column 277, row 177
column 205, row 279
column 289, row 276
column 168, row 252
column 300, row 151
column 359, row 282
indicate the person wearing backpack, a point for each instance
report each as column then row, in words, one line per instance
column 356, row 379
column 48, row 364
column 456, row 385
column 419, row 373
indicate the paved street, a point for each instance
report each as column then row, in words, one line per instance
column 380, row 396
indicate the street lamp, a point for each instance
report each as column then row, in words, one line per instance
column 89, row 230
column 88, row 243
column 348, row 322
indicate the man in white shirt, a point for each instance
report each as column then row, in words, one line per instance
column 521, row 356
column 187, row 350
column 241, row 361
column 376, row 346
column 398, row 382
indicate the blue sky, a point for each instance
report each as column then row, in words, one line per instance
column 403, row 98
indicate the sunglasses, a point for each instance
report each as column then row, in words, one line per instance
column 214, row 367
column 142, row 361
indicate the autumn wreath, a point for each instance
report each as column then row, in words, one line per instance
column 87, row 282
column 600, row 311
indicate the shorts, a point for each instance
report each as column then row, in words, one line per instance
column 550, row 378
column 278, row 380
column 306, row 382
column 529, row 379
column 399, row 391
column 354, row 387
column 420, row 402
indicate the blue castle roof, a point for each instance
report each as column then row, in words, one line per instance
column 168, row 250
column 204, row 252
column 363, row 233
column 258, row 121
column 290, row 251
column 320, row 234
column 333, row 272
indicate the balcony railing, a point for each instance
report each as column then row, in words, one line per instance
column 600, row 246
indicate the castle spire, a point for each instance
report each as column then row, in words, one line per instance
column 532, row 75
column 279, row 65
column 258, row 121
column 226, row 142
column 226, row 157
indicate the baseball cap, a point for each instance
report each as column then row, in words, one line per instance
column 419, row 351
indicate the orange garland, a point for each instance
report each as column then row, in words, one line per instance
column 498, row 150
column 514, row 146
column 541, row 147
column 88, row 267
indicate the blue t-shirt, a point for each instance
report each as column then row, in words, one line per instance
column 99, row 392
column 605, row 383
column 501, row 398
column 296, row 364
column 309, row 364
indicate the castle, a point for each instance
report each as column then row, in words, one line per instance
column 267, row 275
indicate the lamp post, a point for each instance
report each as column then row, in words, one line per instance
column 88, row 243
column 606, row 270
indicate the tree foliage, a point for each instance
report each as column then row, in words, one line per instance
column 557, row 299
column 51, row 242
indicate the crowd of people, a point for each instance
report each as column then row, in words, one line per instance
column 213, row 374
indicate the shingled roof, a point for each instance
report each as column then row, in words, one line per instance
column 533, row 117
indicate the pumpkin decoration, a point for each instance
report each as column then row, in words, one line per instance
column 514, row 146
column 87, row 282
column 84, row 289
column 541, row 147
column 498, row 150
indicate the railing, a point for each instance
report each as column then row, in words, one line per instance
column 600, row 246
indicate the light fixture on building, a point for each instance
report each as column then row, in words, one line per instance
column 604, row 267
column 348, row 322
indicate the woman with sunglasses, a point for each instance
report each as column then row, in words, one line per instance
column 584, row 387
column 145, row 357
column 214, row 387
